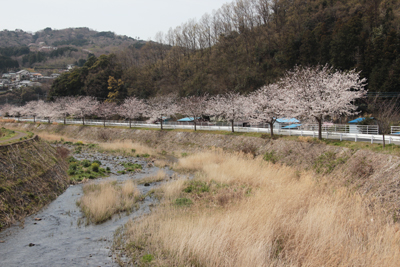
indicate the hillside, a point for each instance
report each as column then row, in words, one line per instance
column 56, row 48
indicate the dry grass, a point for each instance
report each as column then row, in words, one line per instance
column 287, row 220
column 160, row 176
column 161, row 163
column 55, row 137
column 101, row 201
column 127, row 147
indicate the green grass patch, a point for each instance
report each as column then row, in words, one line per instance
column 131, row 167
column 183, row 202
column 197, row 187
column 79, row 170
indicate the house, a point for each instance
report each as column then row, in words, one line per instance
column 21, row 75
column 35, row 76
column 55, row 75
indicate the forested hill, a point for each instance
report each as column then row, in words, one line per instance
column 249, row 43
column 57, row 48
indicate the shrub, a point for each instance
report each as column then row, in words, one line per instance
column 271, row 157
column 71, row 172
column 73, row 166
column 97, row 161
column 95, row 167
column 86, row 163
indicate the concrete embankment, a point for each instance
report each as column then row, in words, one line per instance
column 363, row 171
column 32, row 174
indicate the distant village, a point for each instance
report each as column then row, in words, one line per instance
column 24, row 78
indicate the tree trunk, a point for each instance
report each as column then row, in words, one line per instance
column 233, row 130
column 383, row 140
column 271, row 126
column 195, row 125
column 64, row 120
column 319, row 120
column 83, row 120
column 161, row 124
column 104, row 123
column 130, row 123
column 34, row 119
column 48, row 120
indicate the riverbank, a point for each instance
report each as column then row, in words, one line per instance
column 32, row 174
column 361, row 170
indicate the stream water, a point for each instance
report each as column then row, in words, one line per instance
column 58, row 236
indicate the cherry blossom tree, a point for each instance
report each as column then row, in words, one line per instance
column 322, row 91
column 32, row 109
column 230, row 106
column 267, row 104
column 131, row 108
column 64, row 106
column 47, row 110
column 162, row 106
column 5, row 110
column 106, row 110
column 16, row 111
column 83, row 106
column 194, row 106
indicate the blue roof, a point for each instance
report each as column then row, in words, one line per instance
column 358, row 120
column 188, row 119
column 287, row 120
column 291, row 126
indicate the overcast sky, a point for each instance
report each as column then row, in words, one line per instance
column 134, row 18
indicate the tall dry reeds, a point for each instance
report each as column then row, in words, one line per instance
column 287, row 220
column 101, row 201
column 127, row 147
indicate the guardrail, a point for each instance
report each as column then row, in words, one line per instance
column 340, row 132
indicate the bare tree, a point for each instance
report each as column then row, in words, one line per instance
column 386, row 112
column 131, row 108
column 321, row 91
column 194, row 106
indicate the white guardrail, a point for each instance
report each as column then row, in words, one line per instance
column 369, row 133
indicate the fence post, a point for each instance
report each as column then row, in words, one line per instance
column 341, row 139
column 372, row 139
column 290, row 133
column 313, row 134
column 390, row 140
column 301, row 133
column 355, row 139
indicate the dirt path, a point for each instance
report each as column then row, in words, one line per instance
column 16, row 137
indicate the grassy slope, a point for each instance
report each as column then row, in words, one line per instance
column 32, row 173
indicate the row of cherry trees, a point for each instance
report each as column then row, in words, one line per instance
column 305, row 92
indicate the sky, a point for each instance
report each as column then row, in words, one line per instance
column 134, row 18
